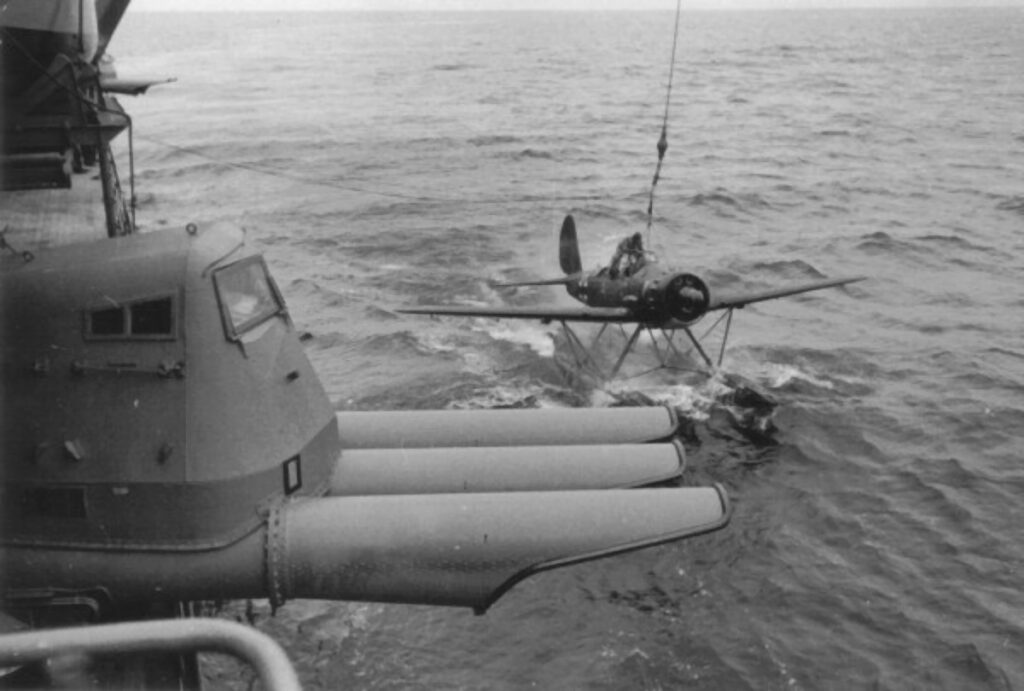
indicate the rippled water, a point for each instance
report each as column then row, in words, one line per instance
column 388, row 159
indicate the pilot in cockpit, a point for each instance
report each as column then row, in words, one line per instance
column 632, row 250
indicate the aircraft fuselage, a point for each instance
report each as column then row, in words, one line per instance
column 659, row 297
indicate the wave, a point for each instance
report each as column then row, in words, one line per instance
column 535, row 336
column 788, row 268
column 532, row 153
column 454, row 67
column 494, row 139
column 954, row 243
column 513, row 396
column 723, row 202
column 1013, row 203
column 832, row 373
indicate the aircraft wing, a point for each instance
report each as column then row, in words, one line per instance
column 726, row 301
column 544, row 314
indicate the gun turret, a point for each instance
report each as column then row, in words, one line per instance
column 165, row 438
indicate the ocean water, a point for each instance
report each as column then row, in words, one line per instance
column 381, row 160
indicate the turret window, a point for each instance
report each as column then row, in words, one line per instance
column 107, row 322
column 140, row 319
column 247, row 295
column 152, row 318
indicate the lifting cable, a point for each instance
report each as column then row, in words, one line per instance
column 663, row 140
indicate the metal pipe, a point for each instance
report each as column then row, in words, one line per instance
column 164, row 636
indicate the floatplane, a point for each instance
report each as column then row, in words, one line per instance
column 637, row 294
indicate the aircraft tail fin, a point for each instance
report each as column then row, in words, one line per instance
column 568, row 257
column 568, row 248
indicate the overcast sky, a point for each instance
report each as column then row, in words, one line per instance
column 300, row 5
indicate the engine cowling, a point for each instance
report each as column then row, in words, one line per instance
column 686, row 297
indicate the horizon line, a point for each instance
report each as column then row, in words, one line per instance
column 783, row 6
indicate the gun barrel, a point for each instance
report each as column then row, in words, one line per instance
column 367, row 472
column 441, row 549
column 533, row 427
column 468, row 550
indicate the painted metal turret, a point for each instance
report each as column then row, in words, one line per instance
column 149, row 375
column 165, row 437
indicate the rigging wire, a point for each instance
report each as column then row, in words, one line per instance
column 349, row 187
column 285, row 175
column 663, row 140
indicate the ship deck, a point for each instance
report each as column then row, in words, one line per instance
column 35, row 219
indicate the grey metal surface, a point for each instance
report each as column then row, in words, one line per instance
column 468, row 549
column 532, row 427
column 441, row 549
column 115, row 429
column 361, row 472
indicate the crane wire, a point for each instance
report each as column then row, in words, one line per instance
column 663, row 140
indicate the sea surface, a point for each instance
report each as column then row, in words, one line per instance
column 381, row 160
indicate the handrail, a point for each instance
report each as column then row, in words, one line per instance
column 163, row 635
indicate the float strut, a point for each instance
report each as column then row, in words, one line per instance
column 625, row 351
column 580, row 353
column 670, row 340
column 696, row 344
column 725, row 337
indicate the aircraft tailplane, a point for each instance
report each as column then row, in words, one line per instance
column 561, row 281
